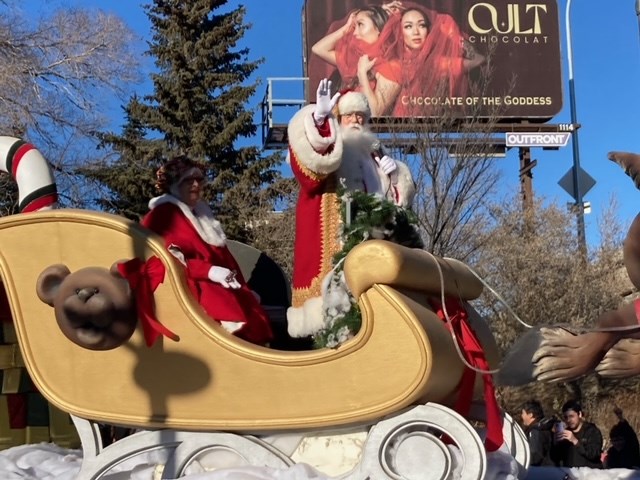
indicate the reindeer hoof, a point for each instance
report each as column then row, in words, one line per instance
column 622, row 360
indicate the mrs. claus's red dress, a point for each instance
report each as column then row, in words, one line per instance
column 197, row 240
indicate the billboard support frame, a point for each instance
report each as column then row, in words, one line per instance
column 274, row 133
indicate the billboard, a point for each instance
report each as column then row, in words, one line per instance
column 420, row 58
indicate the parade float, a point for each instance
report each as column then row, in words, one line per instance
column 392, row 402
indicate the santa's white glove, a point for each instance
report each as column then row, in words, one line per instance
column 223, row 276
column 387, row 164
column 324, row 101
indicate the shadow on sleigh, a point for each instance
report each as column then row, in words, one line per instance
column 395, row 382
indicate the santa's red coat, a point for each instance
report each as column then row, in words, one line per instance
column 318, row 208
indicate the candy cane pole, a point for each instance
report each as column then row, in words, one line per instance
column 32, row 173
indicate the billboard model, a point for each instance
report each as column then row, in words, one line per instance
column 420, row 58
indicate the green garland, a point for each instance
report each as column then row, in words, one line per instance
column 372, row 217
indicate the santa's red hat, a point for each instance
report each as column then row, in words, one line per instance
column 350, row 102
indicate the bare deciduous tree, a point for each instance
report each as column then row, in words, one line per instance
column 452, row 158
column 56, row 73
column 533, row 262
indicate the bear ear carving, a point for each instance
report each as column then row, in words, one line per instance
column 49, row 281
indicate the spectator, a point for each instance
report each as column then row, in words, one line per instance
column 538, row 432
column 624, row 451
column 579, row 443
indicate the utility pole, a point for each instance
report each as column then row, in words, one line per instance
column 577, row 193
column 526, row 178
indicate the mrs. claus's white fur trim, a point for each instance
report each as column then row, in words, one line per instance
column 201, row 218
column 351, row 102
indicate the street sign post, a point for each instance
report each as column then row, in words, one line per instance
column 537, row 139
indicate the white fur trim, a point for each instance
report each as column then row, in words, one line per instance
column 404, row 184
column 307, row 319
column 351, row 102
column 53, row 206
column 232, row 327
column 201, row 218
column 310, row 147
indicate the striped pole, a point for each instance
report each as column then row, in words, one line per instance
column 26, row 165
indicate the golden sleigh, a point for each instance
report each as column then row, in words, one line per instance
column 395, row 380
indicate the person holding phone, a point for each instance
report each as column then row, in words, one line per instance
column 577, row 443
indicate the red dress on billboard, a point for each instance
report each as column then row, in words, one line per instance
column 434, row 69
column 197, row 240
column 349, row 49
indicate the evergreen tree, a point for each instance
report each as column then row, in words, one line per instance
column 9, row 196
column 197, row 108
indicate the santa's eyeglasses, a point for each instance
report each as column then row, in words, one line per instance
column 357, row 115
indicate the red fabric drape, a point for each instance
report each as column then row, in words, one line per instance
column 435, row 69
column 322, row 17
column 348, row 51
column 144, row 278
column 474, row 355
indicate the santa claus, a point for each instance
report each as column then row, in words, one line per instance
column 330, row 144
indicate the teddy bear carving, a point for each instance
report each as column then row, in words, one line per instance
column 94, row 306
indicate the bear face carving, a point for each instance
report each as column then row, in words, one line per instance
column 94, row 307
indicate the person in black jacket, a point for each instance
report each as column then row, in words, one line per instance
column 538, row 431
column 579, row 443
column 625, row 450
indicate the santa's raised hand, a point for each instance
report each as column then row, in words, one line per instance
column 324, row 101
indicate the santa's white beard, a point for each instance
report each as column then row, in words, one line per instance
column 358, row 171
column 357, row 138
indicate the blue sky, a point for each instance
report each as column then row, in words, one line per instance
column 606, row 61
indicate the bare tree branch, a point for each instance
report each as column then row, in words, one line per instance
column 57, row 73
